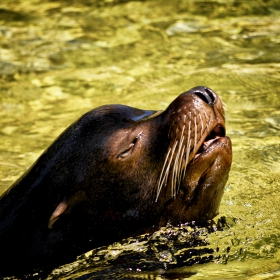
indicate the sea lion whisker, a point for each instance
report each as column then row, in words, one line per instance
column 178, row 159
column 206, row 117
column 181, row 169
column 187, row 154
column 188, row 149
column 161, row 179
column 195, row 134
column 173, row 174
column 166, row 170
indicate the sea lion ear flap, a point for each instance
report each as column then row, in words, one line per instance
column 59, row 210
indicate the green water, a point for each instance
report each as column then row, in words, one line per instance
column 59, row 59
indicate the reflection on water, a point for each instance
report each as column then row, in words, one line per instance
column 60, row 59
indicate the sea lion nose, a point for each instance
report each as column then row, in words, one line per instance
column 206, row 94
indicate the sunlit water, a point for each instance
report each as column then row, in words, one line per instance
column 59, row 59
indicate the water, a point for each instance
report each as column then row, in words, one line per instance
column 60, row 59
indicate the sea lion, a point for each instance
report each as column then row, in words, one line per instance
column 116, row 172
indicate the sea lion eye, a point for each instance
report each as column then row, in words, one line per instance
column 128, row 150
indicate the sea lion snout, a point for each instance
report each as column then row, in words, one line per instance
column 198, row 158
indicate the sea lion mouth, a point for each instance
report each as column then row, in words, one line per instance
column 217, row 132
column 206, row 174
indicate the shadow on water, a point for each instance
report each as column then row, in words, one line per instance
column 59, row 59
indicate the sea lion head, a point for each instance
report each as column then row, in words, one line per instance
column 172, row 164
column 117, row 172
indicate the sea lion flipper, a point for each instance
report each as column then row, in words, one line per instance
column 59, row 210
